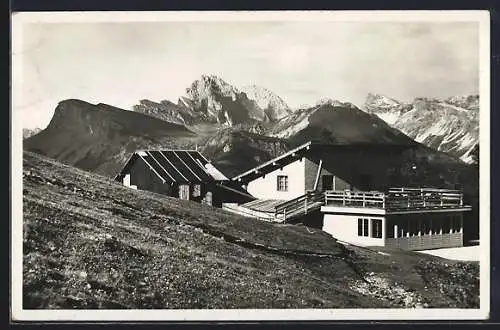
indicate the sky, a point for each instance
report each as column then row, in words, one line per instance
column 121, row 63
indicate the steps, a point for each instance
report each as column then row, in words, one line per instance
column 300, row 206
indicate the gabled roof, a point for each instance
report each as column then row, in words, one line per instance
column 275, row 163
column 323, row 149
column 177, row 166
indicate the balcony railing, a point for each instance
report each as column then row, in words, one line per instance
column 396, row 198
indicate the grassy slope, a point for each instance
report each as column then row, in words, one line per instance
column 91, row 243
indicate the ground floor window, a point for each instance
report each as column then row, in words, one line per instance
column 456, row 225
column 425, row 224
column 362, row 227
column 414, row 226
column 196, row 190
column 437, row 223
column 376, row 228
column 184, row 191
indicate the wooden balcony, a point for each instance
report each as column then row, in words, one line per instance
column 397, row 199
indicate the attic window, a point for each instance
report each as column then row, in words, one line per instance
column 282, row 183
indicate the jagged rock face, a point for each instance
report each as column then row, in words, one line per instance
column 273, row 105
column 212, row 100
column 450, row 125
column 335, row 103
column 221, row 102
column 387, row 109
column 166, row 111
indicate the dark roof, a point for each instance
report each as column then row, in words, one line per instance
column 177, row 166
column 306, row 148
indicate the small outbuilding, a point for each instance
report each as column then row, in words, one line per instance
column 184, row 174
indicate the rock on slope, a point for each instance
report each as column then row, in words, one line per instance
column 450, row 125
column 89, row 242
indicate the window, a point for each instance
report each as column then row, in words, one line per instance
column 376, row 228
column 425, row 226
column 403, row 227
column 196, row 190
column 282, row 184
column 456, row 225
column 327, row 182
column 446, row 225
column 414, row 225
column 436, row 226
column 362, row 227
column 184, row 191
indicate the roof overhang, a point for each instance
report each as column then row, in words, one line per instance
column 273, row 164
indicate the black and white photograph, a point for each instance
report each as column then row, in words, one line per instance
column 274, row 165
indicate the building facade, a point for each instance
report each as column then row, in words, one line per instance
column 405, row 218
column 292, row 175
column 336, row 189
column 184, row 174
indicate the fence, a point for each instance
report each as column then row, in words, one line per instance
column 396, row 198
column 300, row 205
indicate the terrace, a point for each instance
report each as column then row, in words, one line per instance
column 396, row 199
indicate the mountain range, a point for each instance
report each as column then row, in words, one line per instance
column 155, row 240
column 212, row 100
column 450, row 125
column 222, row 120
column 236, row 134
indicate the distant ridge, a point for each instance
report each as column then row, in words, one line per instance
column 98, row 137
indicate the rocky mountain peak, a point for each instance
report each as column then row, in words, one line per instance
column 326, row 101
column 273, row 105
